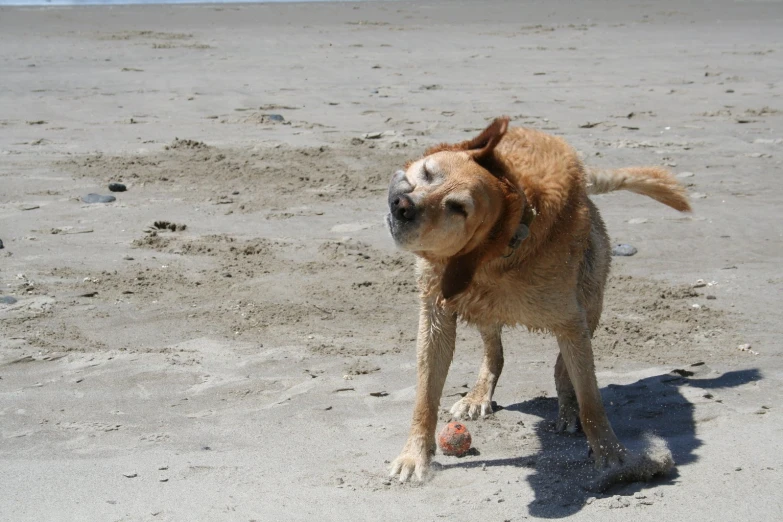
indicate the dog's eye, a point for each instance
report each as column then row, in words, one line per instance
column 427, row 174
column 456, row 208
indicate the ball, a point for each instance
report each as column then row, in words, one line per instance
column 454, row 439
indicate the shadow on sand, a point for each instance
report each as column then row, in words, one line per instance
column 655, row 405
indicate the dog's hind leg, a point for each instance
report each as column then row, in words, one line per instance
column 577, row 354
column 568, row 407
column 478, row 401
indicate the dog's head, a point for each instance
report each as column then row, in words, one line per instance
column 455, row 205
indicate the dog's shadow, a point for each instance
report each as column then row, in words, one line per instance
column 655, row 405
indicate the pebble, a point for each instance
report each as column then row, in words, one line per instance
column 1, row 244
column 7, row 299
column 379, row 135
column 685, row 175
column 130, row 475
column 274, row 117
column 623, row 250
column 117, row 187
column 98, row 198
column 128, row 258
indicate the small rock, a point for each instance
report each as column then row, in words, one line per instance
column 128, row 258
column 711, row 297
column 130, row 475
column 29, row 207
column 1, row 244
column 637, row 221
column 277, row 118
column 117, row 187
column 685, row 175
column 746, row 348
column 700, row 283
column 7, row 299
column 379, row 135
column 98, row 198
column 623, row 250
column 163, row 479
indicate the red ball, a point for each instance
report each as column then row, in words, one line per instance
column 454, row 439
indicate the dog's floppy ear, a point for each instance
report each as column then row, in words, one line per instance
column 459, row 273
column 481, row 146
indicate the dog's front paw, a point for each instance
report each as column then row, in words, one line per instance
column 470, row 407
column 414, row 459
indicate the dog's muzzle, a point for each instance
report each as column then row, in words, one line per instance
column 402, row 208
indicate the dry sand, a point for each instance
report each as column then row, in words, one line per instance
column 259, row 364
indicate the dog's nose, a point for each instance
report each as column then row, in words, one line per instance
column 403, row 209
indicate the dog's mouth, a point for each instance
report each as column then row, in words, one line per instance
column 396, row 230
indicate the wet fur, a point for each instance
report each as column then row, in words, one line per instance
column 554, row 281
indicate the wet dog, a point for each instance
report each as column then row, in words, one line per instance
column 506, row 235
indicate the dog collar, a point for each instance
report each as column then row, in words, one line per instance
column 523, row 230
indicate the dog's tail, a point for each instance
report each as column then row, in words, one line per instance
column 655, row 182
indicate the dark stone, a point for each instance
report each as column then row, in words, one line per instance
column 7, row 299
column 277, row 118
column 117, row 187
column 98, row 198
column 1, row 244
column 623, row 250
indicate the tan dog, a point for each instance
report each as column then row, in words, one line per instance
column 506, row 236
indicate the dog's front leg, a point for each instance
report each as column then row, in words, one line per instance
column 435, row 349
column 478, row 401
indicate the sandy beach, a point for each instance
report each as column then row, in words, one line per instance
column 233, row 338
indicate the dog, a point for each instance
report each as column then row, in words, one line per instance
column 505, row 235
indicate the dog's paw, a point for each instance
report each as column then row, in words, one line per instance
column 654, row 461
column 471, row 408
column 608, row 455
column 413, row 461
column 568, row 420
